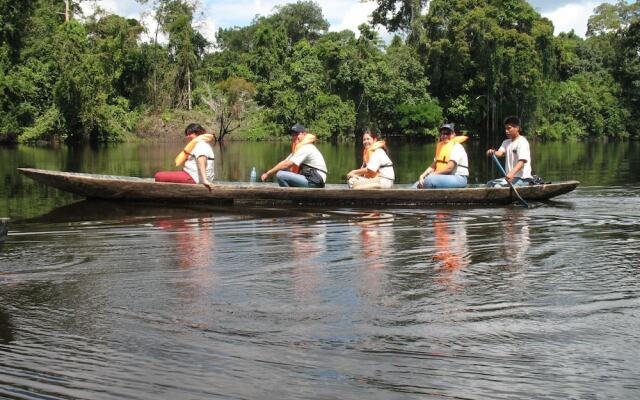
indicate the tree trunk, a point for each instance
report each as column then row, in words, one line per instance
column 189, row 87
column 67, row 10
column 155, row 68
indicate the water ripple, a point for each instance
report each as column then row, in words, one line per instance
column 411, row 303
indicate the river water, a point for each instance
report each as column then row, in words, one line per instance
column 107, row 300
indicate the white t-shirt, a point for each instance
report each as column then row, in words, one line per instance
column 379, row 160
column 459, row 155
column 310, row 155
column 515, row 151
column 191, row 165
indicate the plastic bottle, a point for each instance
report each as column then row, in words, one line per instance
column 253, row 176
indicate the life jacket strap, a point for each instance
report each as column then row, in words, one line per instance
column 317, row 169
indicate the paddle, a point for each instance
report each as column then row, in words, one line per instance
column 504, row 173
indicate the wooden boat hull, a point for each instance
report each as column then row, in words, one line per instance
column 145, row 189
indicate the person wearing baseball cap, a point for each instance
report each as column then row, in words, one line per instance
column 449, row 168
column 304, row 167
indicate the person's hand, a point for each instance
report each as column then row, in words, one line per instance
column 490, row 152
column 421, row 179
column 207, row 184
column 509, row 177
column 264, row 177
column 350, row 174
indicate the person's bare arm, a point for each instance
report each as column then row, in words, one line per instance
column 430, row 169
column 519, row 165
column 358, row 172
column 284, row 164
column 202, row 171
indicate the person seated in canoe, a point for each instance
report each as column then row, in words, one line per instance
column 304, row 167
column 518, row 155
column 376, row 171
column 197, row 158
column 450, row 166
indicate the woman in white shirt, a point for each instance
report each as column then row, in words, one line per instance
column 376, row 171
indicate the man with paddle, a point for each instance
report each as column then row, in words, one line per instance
column 518, row 156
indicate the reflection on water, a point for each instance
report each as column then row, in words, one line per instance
column 307, row 244
column 515, row 237
column 192, row 243
column 451, row 252
column 374, row 247
column 139, row 301
column 6, row 327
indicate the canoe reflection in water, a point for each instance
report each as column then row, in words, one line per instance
column 451, row 250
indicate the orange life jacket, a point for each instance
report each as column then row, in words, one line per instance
column 306, row 139
column 443, row 152
column 366, row 156
column 186, row 152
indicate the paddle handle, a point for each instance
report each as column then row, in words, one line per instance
column 500, row 167
column 504, row 173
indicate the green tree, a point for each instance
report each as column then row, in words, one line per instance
column 229, row 102
column 586, row 105
column 186, row 47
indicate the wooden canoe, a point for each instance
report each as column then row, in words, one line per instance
column 112, row 187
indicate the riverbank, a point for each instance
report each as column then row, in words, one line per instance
column 169, row 125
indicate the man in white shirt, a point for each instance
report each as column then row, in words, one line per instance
column 518, row 155
column 304, row 167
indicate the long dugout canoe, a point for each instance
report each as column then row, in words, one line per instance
column 110, row 187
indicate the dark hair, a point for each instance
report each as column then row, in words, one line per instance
column 194, row 128
column 512, row 120
column 376, row 136
column 373, row 134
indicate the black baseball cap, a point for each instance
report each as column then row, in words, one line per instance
column 297, row 128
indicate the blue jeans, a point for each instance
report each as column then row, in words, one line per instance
column 503, row 182
column 443, row 182
column 291, row 179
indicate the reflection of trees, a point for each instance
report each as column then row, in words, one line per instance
column 562, row 161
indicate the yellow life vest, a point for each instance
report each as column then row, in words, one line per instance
column 306, row 139
column 186, row 152
column 366, row 156
column 443, row 152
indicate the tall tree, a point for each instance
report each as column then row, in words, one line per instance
column 398, row 15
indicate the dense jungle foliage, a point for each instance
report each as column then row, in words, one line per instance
column 67, row 76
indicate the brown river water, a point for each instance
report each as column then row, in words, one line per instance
column 111, row 300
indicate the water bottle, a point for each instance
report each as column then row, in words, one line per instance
column 253, row 176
